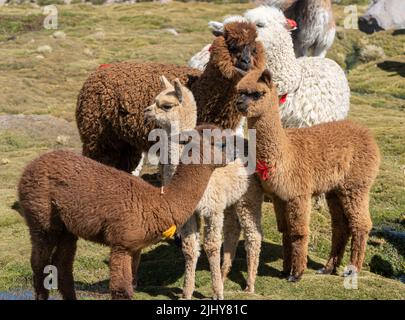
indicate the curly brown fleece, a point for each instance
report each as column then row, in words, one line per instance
column 64, row 196
column 338, row 158
column 111, row 102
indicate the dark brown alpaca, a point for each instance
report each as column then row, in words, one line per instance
column 64, row 196
column 111, row 103
column 340, row 159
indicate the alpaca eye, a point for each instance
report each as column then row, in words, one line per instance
column 257, row 95
column 254, row 50
column 167, row 107
column 232, row 48
column 260, row 25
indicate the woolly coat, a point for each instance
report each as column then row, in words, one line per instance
column 111, row 102
column 62, row 190
column 317, row 89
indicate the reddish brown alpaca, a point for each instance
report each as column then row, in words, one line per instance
column 339, row 158
column 64, row 196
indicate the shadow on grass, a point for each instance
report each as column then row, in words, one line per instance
column 163, row 266
column 393, row 66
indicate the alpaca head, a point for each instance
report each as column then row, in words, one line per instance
column 257, row 94
column 267, row 18
column 174, row 107
column 206, row 144
column 235, row 50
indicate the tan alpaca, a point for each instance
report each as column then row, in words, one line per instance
column 230, row 189
column 338, row 158
column 64, row 196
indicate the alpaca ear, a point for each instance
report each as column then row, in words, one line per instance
column 165, row 82
column 217, row 28
column 266, row 77
column 177, row 90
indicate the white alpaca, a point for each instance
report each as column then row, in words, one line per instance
column 316, row 88
column 231, row 190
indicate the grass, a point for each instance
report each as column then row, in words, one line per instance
column 49, row 86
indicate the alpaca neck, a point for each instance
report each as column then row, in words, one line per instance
column 282, row 63
column 185, row 123
column 186, row 190
column 213, row 91
column 271, row 140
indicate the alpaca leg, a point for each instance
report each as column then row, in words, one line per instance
column 356, row 206
column 231, row 238
column 282, row 226
column 250, row 220
column 62, row 259
column 42, row 247
column 120, row 274
column 213, row 226
column 340, row 234
column 190, row 238
column 136, row 258
column 298, row 213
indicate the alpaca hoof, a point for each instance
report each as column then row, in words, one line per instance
column 249, row 289
column 294, row 278
column 217, row 297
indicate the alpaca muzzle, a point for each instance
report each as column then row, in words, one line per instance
column 242, row 104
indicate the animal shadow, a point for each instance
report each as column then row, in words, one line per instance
column 393, row 66
column 163, row 266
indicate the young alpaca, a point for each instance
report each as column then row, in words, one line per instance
column 314, row 89
column 111, row 102
column 339, row 158
column 230, row 189
column 64, row 196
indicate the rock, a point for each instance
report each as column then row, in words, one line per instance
column 88, row 52
column 59, row 35
column 172, row 31
column 39, row 57
column 44, row 49
column 12, row 38
column 99, row 35
column 371, row 52
column 4, row 161
column 63, row 140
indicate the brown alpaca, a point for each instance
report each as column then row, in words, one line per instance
column 111, row 102
column 64, row 196
column 340, row 159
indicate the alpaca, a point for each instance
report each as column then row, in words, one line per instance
column 111, row 102
column 313, row 89
column 316, row 25
column 340, row 159
column 230, row 189
column 64, row 196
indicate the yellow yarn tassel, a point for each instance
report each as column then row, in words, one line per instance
column 169, row 233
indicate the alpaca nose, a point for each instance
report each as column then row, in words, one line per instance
column 148, row 116
column 244, row 62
